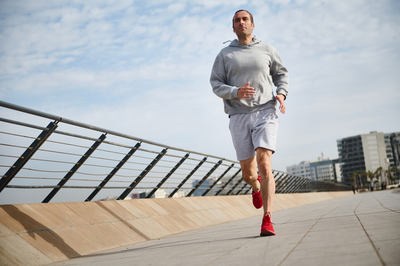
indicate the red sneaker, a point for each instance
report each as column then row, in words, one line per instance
column 257, row 199
column 266, row 227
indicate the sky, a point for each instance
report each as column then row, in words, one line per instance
column 142, row 68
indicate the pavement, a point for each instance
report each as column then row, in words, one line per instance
column 361, row 229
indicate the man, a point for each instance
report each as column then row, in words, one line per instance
column 242, row 76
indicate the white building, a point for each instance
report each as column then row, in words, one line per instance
column 322, row 169
column 301, row 169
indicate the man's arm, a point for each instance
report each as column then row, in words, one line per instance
column 218, row 80
column 281, row 100
column 280, row 75
column 221, row 89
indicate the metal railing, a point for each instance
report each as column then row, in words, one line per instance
column 72, row 161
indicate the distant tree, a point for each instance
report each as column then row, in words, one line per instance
column 371, row 177
column 363, row 175
column 378, row 172
column 354, row 179
column 393, row 173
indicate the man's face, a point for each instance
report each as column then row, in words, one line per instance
column 242, row 24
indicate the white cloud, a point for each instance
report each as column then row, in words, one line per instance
column 143, row 69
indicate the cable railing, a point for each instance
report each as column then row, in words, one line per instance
column 72, row 161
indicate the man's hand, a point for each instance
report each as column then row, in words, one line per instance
column 246, row 91
column 281, row 100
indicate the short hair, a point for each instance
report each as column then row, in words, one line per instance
column 233, row 19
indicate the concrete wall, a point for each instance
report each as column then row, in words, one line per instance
column 40, row 234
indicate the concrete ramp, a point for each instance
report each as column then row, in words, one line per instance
column 40, row 234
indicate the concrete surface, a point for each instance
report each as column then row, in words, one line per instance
column 40, row 234
column 361, row 229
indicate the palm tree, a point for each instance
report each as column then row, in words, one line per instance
column 371, row 177
column 363, row 178
column 352, row 177
column 393, row 173
column 357, row 181
column 378, row 173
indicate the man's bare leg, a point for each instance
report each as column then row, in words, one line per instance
column 249, row 173
column 267, row 178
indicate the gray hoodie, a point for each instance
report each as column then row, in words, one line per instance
column 257, row 63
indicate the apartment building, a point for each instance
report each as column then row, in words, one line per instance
column 324, row 169
column 367, row 152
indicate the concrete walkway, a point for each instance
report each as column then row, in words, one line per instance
column 362, row 229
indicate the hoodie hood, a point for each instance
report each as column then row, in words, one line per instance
column 236, row 43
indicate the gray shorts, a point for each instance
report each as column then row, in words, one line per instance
column 252, row 131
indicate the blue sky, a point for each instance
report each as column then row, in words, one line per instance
column 142, row 68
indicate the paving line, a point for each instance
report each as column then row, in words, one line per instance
column 386, row 207
column 199, row 244
column 254, row 239
column 193, row 246
column 376, row 251
column 208, row 263
column 280, row 263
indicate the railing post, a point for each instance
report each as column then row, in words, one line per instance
column 142, row 175
column 301, row 185
column 204, row 178
column 310, row 185
column 24, row 158
column 218, row 179
column 247, row 191
column 278, row 182
column 283, row 183
column 187, row 177
column 167, row 176
column 114, row 171
column 241, row 189
column 227, row 183
column 234, row 186
column 290, row 183
column 75, row 168
column 295, row 187
column 313, row 185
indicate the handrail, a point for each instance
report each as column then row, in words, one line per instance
column 99, row 129
column 58, row 161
